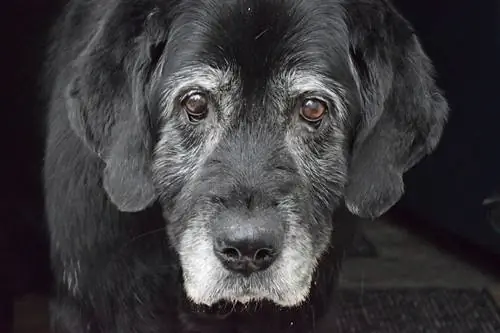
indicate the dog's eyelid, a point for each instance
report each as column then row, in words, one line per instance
column 323, row 96
column 187, row 92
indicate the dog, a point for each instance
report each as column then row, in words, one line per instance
column 199, row 156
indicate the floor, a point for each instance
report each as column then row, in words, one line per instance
column 405, row 259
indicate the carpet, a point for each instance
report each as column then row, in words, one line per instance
column 419, row 310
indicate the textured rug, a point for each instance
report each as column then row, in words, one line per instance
column 428, row 310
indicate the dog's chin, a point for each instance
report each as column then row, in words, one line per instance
column 251, row 297
column 243, row 291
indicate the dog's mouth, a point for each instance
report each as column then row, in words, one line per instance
column 246, row 297
column 253, row 290
column 248, row 302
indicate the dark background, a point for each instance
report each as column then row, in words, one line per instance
column 444, row 193
column 448, row 188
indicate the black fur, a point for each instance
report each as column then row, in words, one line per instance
column 404, row 111
column 105, row 75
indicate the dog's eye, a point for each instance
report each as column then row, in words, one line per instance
column 196, row 106
column 313, row 110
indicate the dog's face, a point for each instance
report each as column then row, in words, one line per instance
column 250, row 121
column 252, row 155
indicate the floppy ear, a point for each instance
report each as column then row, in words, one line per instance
column 108, row 103
column 402, row 110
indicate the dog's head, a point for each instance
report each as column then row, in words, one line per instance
column 250, row 121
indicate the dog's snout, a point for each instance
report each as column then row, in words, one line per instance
column 248, row 249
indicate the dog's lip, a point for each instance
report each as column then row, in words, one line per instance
column 242, row 299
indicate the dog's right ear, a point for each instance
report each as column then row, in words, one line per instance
column 108, row 101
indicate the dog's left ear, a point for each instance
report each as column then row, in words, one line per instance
column 402, row 111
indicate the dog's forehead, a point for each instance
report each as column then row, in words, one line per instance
column 260, row 38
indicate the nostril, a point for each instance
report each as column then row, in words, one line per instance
column 231, row 253
column 250, row 202
column 263, row 255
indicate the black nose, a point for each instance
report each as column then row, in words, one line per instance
column 247, row 249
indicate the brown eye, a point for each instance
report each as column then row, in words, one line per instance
column 312, row 110
column 196, row 106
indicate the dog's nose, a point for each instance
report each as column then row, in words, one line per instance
column 247, row 249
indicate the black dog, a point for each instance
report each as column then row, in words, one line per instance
column 240, row 128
